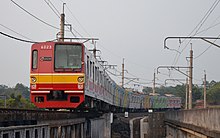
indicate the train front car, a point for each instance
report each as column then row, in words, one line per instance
column 57, row 75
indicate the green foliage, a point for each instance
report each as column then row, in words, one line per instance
column 17, row 97
column 178, row 90
column 147, row 90
column 2, row 103
column 11, row 103
column 213, row 94
column 197, row 93
column 23, row 89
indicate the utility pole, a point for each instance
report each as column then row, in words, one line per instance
column 186, row 98
column 154, row 83
column 190, row 77
column 123, row 70
column 204, row 89
column 62, row 23
column 94, row 51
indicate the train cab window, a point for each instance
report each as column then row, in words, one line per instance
column 34, row 59
column 68, row 56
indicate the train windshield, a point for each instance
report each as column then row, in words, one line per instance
column 68, row 56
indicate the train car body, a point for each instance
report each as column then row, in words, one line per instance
column 146, row 102
column 65, row 75
column 57, row 75
column 158, row 102
column 174, row 103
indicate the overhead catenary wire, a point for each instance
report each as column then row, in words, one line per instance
column 52, row 8
column 74, row 30
column 213, row 41
column 210, row 27
column 56, row 12
column 109, row 51
column 129, row 78
column 206, row 48
column 131, row 75
column 15, row 32
column 119, row 57
column 19, row 39
column 208, row 13
column 86, row 30
column 198, row 26
column 76, row 19
column 113, row 74
column 34, row 15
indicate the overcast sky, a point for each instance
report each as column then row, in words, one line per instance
column 130, row 29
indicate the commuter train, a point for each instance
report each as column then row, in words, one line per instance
column 65, row 75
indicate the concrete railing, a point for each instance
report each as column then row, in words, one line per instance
column 208, row 119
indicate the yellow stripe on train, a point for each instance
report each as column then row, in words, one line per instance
column 56, row 78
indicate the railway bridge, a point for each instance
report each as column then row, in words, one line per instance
column 195, row 123
column 22, row 123
column 198, row 123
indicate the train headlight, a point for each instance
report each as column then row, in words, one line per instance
column 80, row 79
column 33, row 79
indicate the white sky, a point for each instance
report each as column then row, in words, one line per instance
column 130, row 29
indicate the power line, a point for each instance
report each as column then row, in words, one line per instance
column 208, row 28
column 15, row 32
column 90, row 35
column 76, row 19
column 119, row 57
column 213, row 41
column 34, row 15
column 58, row 15
column 204, row 19
column 113, row 74
column 12, row 37
column 137, row 77
column 52, row 8
column 208, row 14
column 74, row 30
column 199, row 25
column 206, row 49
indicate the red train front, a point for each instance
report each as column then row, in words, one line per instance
column 57, row 75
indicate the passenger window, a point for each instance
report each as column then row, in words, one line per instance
column 87, row 69
column 90, row 69
column 34, row 59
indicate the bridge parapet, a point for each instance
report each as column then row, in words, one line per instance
column 204, row 121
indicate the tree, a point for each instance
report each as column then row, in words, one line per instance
column 11, row 103
column 147, row 90
column 213, row 94
column 17, row 97
column 23, row 90
column 197, row 93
